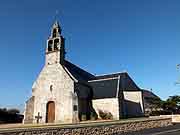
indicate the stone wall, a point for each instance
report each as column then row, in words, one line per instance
column 53, row 84
column 105, row 128
column 29, row 109
column 107, row 105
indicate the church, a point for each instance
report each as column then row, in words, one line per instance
column 65, row 93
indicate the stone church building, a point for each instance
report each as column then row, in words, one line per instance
column 63, row 92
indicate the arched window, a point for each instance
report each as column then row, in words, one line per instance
column 56, row 42
column 51, row 88
column 50, row 45
column 54, row 33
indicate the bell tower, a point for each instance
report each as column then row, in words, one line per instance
column 55, row 51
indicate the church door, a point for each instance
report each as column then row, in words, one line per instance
column 50, row 112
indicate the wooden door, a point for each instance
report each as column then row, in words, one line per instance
column 50, row 115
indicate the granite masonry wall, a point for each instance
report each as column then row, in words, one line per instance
column 106, row 128
column 29, row 111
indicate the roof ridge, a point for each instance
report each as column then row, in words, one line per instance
column 112, row 73
column 105, row 79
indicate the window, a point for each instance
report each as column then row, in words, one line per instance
column 50, row 45
column 54, row 33
column 56, row 42
column 75, row 108
column 51, row 88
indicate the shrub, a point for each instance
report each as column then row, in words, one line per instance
column 105, row 115
column 93, row 116
column 162, row 112
column 83, row 117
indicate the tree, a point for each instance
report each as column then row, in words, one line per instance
column 175, row 99
column 171, row 104
column 10, row 116
column 13, row 111
column 154, row 102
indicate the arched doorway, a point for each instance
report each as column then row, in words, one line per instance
column 50, row 112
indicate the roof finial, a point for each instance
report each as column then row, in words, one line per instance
column 56, row 22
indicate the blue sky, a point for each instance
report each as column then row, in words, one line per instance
column 141, row 37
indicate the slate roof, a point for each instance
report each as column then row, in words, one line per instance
column 108, row 76
column 104, row 86
column 126, row 83
column 77, row 72
column 148, row 94
column 108, row 86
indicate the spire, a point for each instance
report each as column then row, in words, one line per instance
column 56, row 30
column 56, row 24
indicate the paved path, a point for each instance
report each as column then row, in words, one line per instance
column 171, row 130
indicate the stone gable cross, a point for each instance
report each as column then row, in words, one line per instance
column 38, row 117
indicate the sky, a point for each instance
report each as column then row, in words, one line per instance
column 141, row 37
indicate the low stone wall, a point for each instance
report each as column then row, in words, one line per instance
column 176, row 118
column 106, row 128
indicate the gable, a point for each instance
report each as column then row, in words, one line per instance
column 52, row 75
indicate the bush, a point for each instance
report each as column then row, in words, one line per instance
column 13, row 111
column 93, row 116
column 10, row 116
column 157, row 113
column 83, row 117
column 105, row 115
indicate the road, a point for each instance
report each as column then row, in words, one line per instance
column 171, row 130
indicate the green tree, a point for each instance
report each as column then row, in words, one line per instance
column 154, row 102
column 13, row 111
column 175, row 99
column 171, row 104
